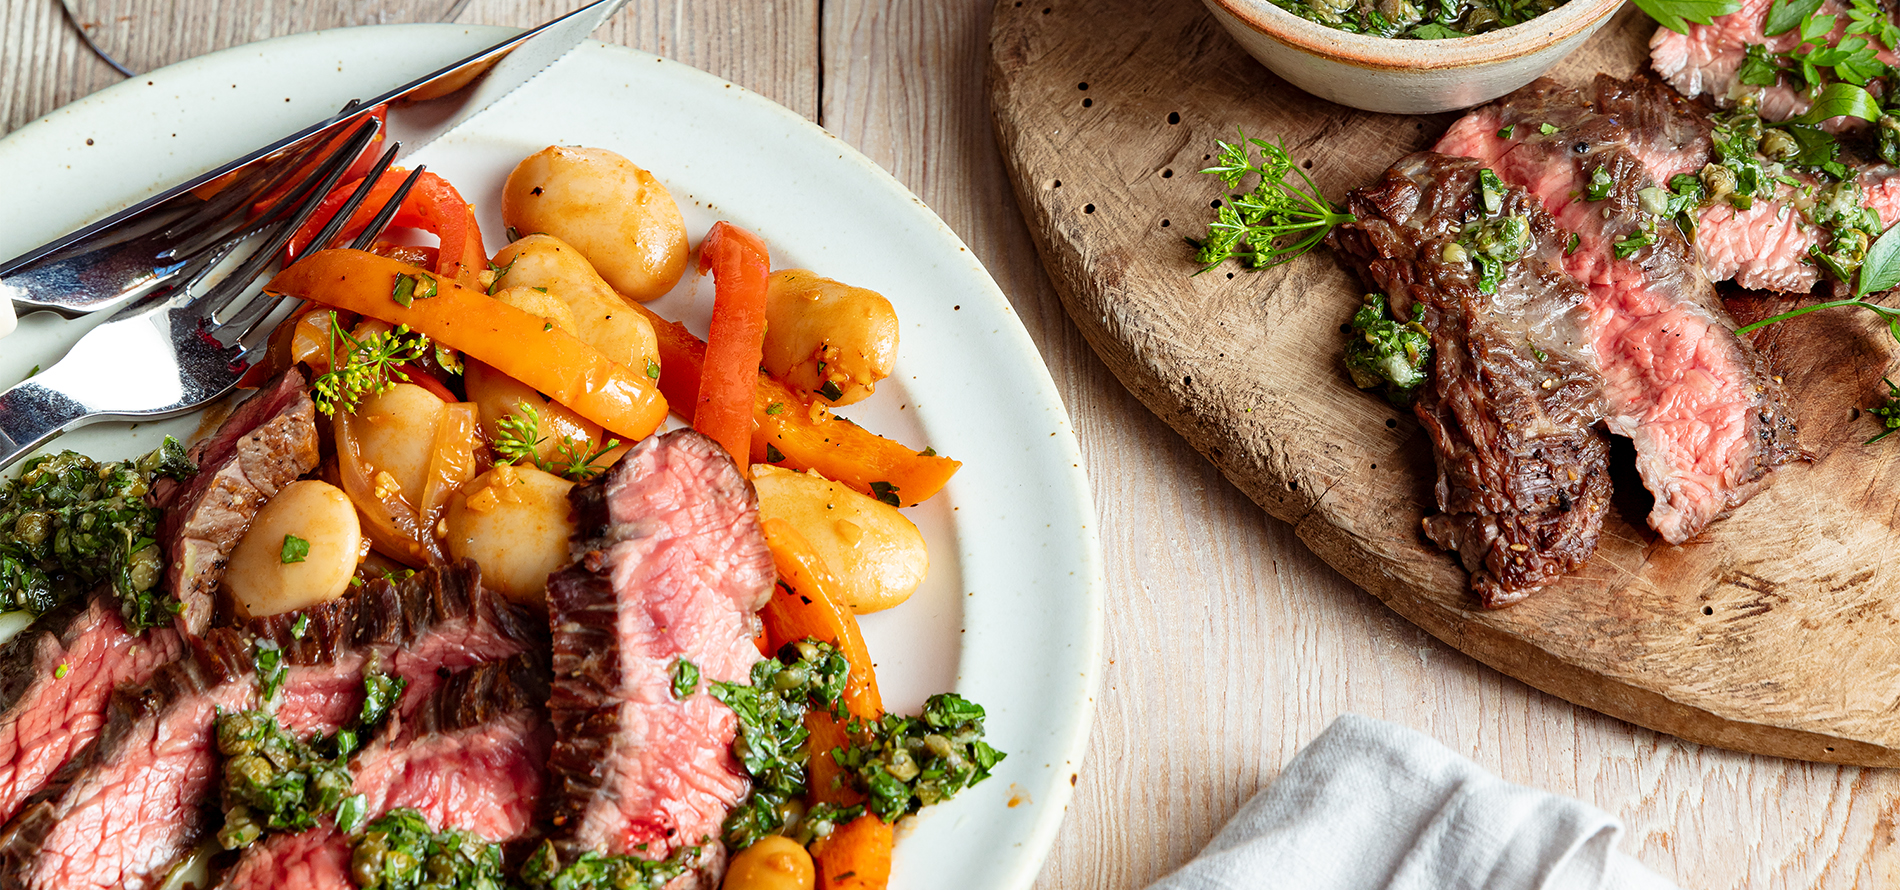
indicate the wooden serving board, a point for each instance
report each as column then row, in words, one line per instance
column 1777, row 631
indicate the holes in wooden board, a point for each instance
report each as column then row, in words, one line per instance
column 1708, row 610
column 1087, row 102
column 1082, row 86
column 1390, row 423
column 1174, row 117
column 1164, row 223
column 1088, row 208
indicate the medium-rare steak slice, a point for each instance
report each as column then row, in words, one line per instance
column 143, row 793
column 1514, row 394
column 1706, row 60
column 55, row 679
column 264, row 445
column 1708, row 420
column 1767, row 245
column 671, row 565
column 472, row 757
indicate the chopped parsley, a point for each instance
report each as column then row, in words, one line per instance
column 907, row 763
column 410, row 288
column 685, row 678
column 831, row 391
column 1385, row 355
column 295, row 550
column 900, row 764
column 271, row 669
column 272, row 781
column 69, row 523
column 886, row 492
column 593, row 871
column 398, row 851
column 772, row 454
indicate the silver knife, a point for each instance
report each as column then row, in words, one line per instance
column 63, row 275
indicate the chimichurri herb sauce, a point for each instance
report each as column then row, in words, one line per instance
column 1420, row 20
column 69, row 523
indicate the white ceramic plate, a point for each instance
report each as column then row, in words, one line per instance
column 1011, row 615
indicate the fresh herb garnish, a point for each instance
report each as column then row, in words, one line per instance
column 1385, row 355
column 398, row 851
column 1599, row 185
column 772, row 454
column 771, row 740
column 908, row 763
column 831, row 391
column 371, row 366
column 685, row 678
column 520, row 439
column 295, row 550
column 272, row 781
column 1277, row 221
column 1677, row 14
column 410, row 288
column 69, row 523
column 1887, row 412
column 300, row 627
column 271, row 670
column 593, row 871
column 653, row 369
column 886, row 492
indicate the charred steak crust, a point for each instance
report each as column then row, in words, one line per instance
column 671, row 565
column 475, row 748
column 55, row 679
column 1708, row 420
column 142, row 790
column 264, row 445
column 1514, row 397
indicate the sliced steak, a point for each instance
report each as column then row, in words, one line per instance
column 264, row 445
column 1704, row 61
column 671, row 565
column 1708, row 420
column 144, row 792
column 55, row 679
column 472, row 756
column 1514, row 396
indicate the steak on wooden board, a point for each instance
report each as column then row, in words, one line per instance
column 55, row 679
column 472, row 757
column 269, row 441
column 143, row 793
column 670, row 565
column 1708, row 420
column 1514, row 395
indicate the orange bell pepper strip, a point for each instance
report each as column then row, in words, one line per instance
column 433, row 205
column 735, row 345
column 856, row 856
column 805, row 438
column 803, row 604
column 517, row 344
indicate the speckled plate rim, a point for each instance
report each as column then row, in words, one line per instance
column 1012, row 614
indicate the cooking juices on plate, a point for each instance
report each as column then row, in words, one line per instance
column 438, row 604
column 1548, row 272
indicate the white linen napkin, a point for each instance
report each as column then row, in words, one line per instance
column 1370, row 805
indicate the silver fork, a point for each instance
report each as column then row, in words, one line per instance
column 170, row 242
column 171, row 352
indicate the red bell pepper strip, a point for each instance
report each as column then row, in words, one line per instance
column 432, row 205
column 736, row 342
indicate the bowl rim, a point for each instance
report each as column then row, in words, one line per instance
column 1360, row 50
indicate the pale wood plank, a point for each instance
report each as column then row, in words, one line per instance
column 767, row 46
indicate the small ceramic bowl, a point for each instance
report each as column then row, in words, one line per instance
column 1408, row 76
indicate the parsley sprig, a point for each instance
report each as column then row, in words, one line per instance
column 1274, row 223
column 370, row 367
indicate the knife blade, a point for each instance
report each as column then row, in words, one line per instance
column 62, row 275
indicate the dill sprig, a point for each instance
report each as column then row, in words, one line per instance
column 369, row 368
column 1274, row 223
column 520, row 439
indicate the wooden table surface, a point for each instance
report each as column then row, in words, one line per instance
column 1228, row 644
